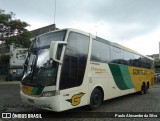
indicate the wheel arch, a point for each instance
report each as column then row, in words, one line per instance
column 100, row 87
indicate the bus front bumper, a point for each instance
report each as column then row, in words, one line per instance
column 49, row 103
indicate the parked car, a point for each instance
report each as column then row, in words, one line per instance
column 14, row 74
column 157, row 77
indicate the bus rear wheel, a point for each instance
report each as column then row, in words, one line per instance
column 143, row 89
column 95, row 99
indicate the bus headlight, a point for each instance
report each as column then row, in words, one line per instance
column 50, row 93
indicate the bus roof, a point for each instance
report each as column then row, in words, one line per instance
column 101, row 40
column 120, row 46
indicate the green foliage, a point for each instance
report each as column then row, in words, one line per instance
column 157, row 70
column 21, row 39
column 4, row 59
column 157, row 62
column 13, row 30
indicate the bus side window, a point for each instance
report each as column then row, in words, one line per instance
column 116, row 55
column 74, row 62
column 100, row 51
column 129, row 57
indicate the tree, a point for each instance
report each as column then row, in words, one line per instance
column 4, row 59
column 13, row 30
column 157, row 65
column 157, row 62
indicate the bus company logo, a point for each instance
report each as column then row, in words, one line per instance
column 98, row 70
column 76, row 99
column 139, row 72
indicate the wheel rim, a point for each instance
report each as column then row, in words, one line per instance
column 96, row 99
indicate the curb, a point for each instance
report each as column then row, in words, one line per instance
column 11, row 82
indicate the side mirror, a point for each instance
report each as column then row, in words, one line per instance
column 53, row 50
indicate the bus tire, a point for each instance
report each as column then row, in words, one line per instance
column 143, row 89
column 95, row 99
column 146, row 89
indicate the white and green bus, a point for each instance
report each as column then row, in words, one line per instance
column 69, row 68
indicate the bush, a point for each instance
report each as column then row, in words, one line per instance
column 4, row 59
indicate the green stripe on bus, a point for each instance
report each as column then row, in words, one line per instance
column 37, row 90
column 126, row 76
column 117, row 75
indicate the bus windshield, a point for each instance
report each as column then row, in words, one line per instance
column 39, row 70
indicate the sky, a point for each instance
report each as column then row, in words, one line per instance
column 131, row 23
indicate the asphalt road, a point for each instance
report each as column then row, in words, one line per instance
column 10, row 102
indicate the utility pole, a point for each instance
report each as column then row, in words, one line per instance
column 159, row 50
column 55, row 12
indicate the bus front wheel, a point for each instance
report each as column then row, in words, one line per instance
column 95, row 99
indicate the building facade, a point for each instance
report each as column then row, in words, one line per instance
column 4, row 50
column 154, row 56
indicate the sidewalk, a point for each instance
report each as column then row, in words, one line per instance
column 3, row 81
column 9, row 82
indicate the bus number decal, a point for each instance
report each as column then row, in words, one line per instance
column 76, row 99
